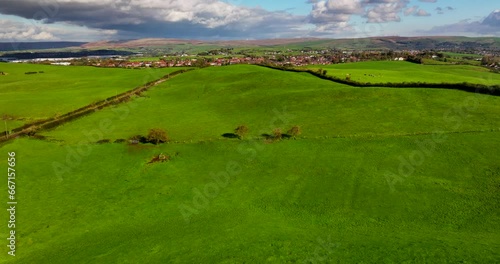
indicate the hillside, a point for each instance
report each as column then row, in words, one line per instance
column 397, row 43
column 378, row 176
column 394, row 43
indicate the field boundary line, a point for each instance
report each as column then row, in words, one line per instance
column 91, row 108
column 464, row 86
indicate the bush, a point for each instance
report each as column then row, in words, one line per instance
column 137, row 139
column 294, row 131
column 157, row 136
column 277, row 134
column 241, row 131
column 32, row 130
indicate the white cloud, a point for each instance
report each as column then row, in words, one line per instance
column 17, row 31
column 489, row 26
column 385, row 10
column 422, row 12
column 335, row 15
column 158, row 18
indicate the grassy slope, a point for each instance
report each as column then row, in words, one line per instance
column 39, row 96
column 398, row 72
column 206, row 103
column 113, row 208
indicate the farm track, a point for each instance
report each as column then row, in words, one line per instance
column 91, row 108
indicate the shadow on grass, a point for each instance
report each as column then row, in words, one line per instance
column 230, row 135
column 273, row 137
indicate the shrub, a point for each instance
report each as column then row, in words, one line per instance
column 294, row 131
column 241, row 131
column 32, row 130
column 277, row 134
column 157, row 136
column 137, row 139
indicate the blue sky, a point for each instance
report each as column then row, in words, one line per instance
column 92, row 20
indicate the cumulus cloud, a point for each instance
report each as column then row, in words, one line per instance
column 442, row 10
column 336, row 14
column 17, row 31
column 385, row 10
column 30, row 30
column 422, row 12
column 411, row 10
column 415, row 11
column 147, row 18
column 488, row 26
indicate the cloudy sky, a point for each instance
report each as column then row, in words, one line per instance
column 91, row 20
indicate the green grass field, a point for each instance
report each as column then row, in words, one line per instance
column 378, row 176
column 204, row 104
column 402, row 71
column 462, row 55
column 293, row 201
column 145, row 58
column 60, row 89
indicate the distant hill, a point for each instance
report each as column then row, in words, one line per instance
column 19, row 46
column 395, row 42
column 194, row 46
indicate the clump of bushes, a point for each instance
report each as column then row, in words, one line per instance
column 294, row 131
column 277, row 134
column 155, row 136
column 241, row 131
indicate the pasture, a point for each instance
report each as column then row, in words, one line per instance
column 296, row 201
column 206, row 103
column 55, row 90
column 402, row 71
column 378, row 176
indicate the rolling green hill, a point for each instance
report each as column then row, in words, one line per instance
column 402, row 71
column 378, row 176
column 206, row 103
column 56, row 90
